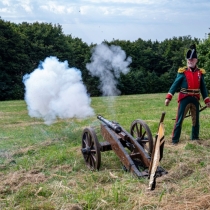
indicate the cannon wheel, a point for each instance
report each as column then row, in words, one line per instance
column 140, row 130
column 91, row 149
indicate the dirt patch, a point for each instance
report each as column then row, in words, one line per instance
column 193, row 203
column 23, row 151
column 181, row 171
column 71, row 207
column 61, row 169
column 14, row 181
column 21, row 124
column 205, row 143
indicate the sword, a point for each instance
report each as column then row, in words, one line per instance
column 199, row 111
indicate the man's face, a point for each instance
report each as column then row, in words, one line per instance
column 192, row 62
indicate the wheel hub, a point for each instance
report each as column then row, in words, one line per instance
column 86, row 151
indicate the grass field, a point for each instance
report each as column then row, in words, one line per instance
column 42, row 168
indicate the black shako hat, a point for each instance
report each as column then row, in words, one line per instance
column 192, row 52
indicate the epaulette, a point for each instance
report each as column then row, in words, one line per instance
column 182, row 69
column 202, row 71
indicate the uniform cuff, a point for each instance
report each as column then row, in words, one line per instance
column 169, row 96
column 207, row 100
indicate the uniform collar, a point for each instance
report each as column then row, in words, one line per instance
column 193, row 69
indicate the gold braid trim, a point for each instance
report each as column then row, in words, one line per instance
column 202, row 71
column 182, row 69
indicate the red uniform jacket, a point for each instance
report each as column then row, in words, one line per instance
column 191, row 84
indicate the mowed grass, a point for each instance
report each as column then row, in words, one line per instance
column 41, row 166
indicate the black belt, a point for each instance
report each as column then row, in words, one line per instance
column 190, row 91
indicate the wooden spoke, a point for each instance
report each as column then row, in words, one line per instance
column 140, row 130
column 91, row 149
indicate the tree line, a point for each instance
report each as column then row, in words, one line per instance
column 153, row 68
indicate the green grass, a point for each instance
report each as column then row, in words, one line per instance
column 41, row 166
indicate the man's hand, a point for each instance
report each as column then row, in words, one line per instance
column 167, row 101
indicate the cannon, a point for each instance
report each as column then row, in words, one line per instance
column 136, row 150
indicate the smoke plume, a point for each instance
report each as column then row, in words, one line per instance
column 107, row 63
column 54, row 90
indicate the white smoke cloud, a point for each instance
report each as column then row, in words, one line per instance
column 107, row 63
column 54, row 90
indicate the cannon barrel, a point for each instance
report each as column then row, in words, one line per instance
column 114, row 126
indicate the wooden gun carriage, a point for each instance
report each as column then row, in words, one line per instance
column 136, row 150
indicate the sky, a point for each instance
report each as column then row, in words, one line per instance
column 95, row 21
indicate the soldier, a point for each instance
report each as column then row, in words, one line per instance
column 191, row 81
